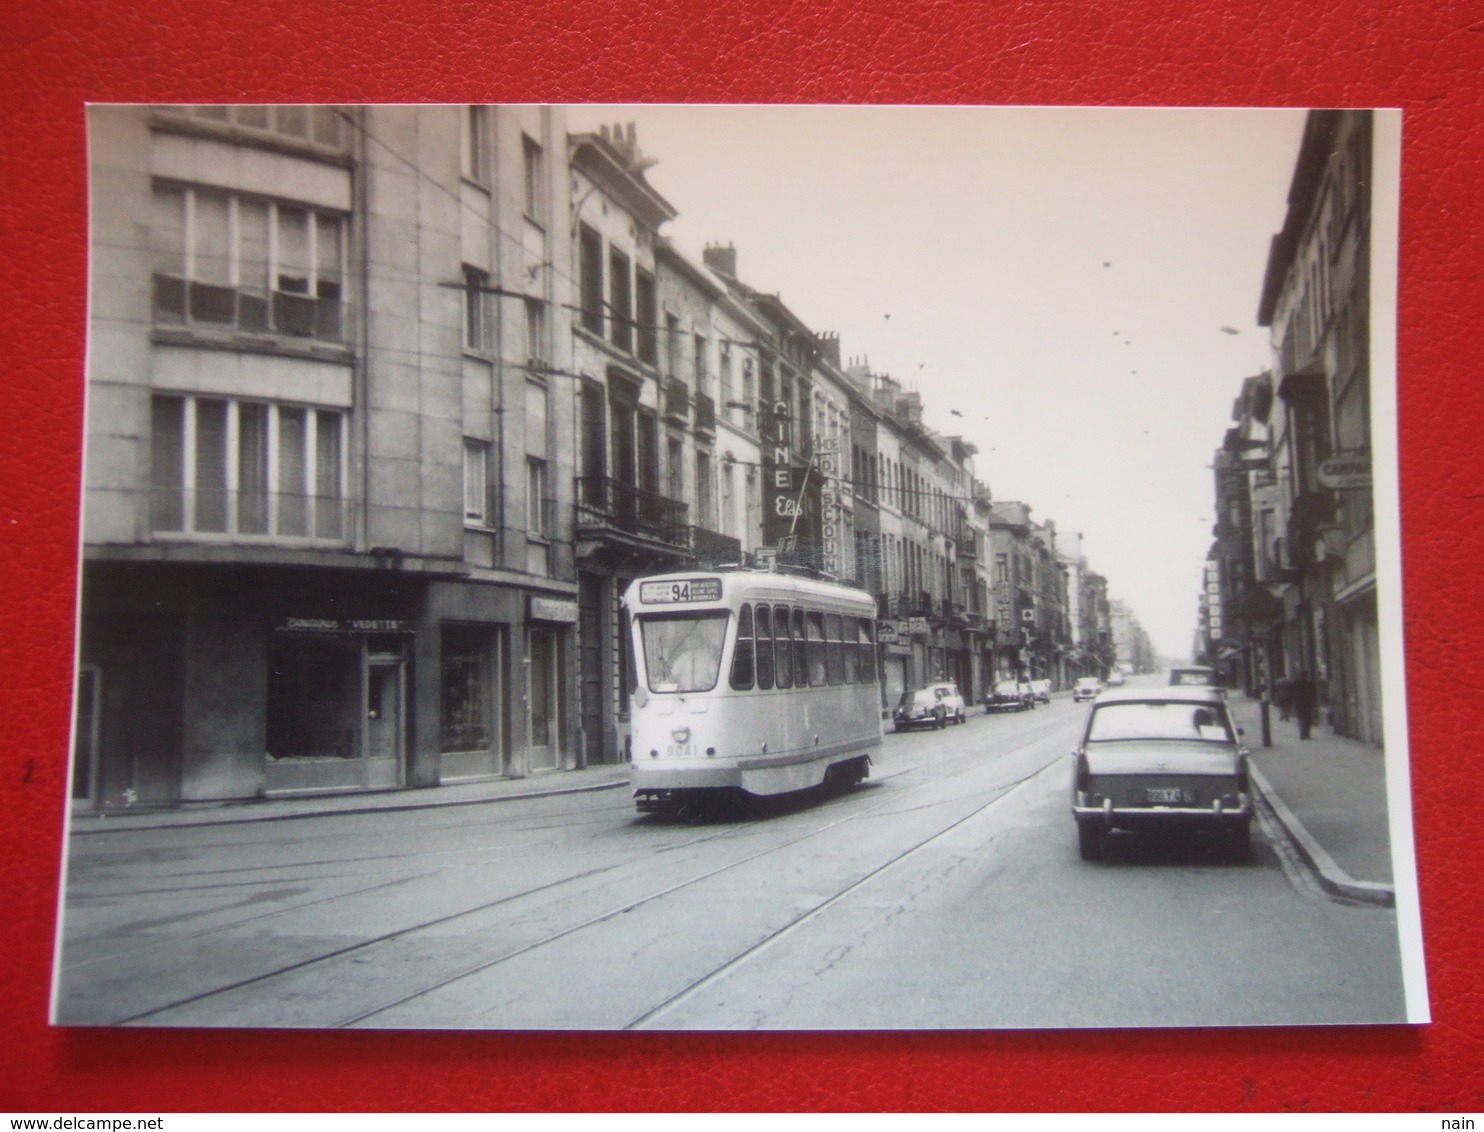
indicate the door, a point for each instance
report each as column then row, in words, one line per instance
column 384, row 723
column 545, row 700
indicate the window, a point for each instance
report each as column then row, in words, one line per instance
column 763, row 620
column 675, row 468
column 645, row 314
column 476, row 286
column 538, row 505
column 238, row 262
column 868, row 652
column 246, row 468
column 815, row 649
column 535, row 178
column 682, row 652
column 535, row 334
column 698, row 359
column 322, row 125
column 729, row 408
column 781, row 641
column 743, row 652
column 590, row 254
column 466, row 719
column 474, row 147
column 834, row 658
column 705, row 496
column 672, row 345
column 620, row 302
column 476, row 481
column 801, row 660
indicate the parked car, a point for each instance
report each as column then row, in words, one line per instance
column 1157, row 759
column 1009, row 695
column 933, row 706
column 1041, row 691
column 1115, row 678
column 1086, row 688
column 1194, row 676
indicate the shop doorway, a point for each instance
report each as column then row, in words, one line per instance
column 544, row 694
column 385, row 727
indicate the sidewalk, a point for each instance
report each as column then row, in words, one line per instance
column 1329, row 793
column 478, row 793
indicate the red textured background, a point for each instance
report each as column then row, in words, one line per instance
column 1418, row 54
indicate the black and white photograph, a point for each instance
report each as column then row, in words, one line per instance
column 720, row 568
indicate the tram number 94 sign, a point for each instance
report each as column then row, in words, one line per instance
column 687, row 589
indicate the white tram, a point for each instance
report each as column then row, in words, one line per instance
column 751, row 681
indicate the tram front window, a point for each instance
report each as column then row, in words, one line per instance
column 683, row 654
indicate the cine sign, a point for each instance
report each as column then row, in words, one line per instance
column 1346, row 471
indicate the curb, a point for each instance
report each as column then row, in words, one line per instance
column 1332, row 878
column 177, row 820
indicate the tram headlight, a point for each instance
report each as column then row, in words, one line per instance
column 681, row 735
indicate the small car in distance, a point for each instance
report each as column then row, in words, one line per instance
column 1008, row 695
column 1086, row 688
column 1159, row 759
column 1041, row 691
column 932, row 706
column 1115, row 678
column 1194, row 676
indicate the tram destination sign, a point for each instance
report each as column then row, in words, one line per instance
column 683, row 589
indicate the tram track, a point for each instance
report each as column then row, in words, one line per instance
column 359, row 950
column 630, row 906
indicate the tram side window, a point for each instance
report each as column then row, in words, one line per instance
column 815, row 648
column 852, row 651
column 834, row 658
column 801, row 660
column 742, row 674
column 764, row 621
column 868, row 653
column 785, row 668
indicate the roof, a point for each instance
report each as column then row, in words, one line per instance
column 1175, row 694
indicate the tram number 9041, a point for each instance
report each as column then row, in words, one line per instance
column 688, row 589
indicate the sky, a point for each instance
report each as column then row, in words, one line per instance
column 1073, row 290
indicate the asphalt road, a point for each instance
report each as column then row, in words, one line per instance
column 946, row 892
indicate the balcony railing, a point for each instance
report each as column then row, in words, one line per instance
column 612, row 505
column 250, row 516
column 705, row 413
column 183, row 301
column 677, row 400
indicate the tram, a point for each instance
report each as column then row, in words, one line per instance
column 749, row 681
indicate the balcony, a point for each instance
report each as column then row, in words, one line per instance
column 614, row 511
column 180, row 301
column 705, row 414
column 220, row 515
column 677, row 401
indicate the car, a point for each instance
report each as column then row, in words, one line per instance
column 1157, row 759
column 935, row 705
column 1115, row 678
column 1041, row 691
column 1194, row 676
column 1008, row 695
column 1086, row 688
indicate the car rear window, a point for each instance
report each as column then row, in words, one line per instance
column 1154, row 720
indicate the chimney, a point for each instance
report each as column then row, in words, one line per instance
column 721, row 259
column 829, row 346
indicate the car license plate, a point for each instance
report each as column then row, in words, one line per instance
column 1164, row 794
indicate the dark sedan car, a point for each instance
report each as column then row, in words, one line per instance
column 1157, row 759
column 1009, row 695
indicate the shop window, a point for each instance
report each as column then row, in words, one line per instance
column 314, row 697
column 467, row 716
column 223, row 260
column 246, row 468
